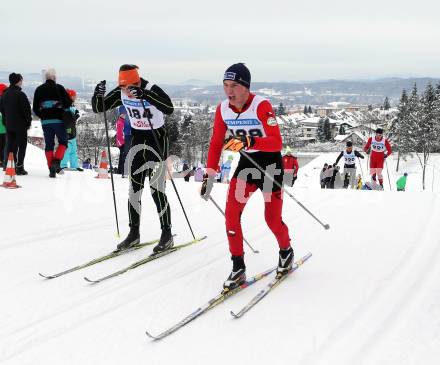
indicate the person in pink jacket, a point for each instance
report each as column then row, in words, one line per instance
column 120, row 142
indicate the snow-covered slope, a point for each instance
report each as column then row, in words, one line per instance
column 370, row 294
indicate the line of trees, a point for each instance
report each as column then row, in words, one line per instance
column 417, row 126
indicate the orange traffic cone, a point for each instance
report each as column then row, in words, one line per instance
column 103, row 167
column 9, row 181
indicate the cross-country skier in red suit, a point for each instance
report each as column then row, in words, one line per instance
column 378, row 145
column 250, row 122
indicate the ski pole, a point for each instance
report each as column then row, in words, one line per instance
column 148, row 114
column 326, row 226
column 111, row 166
column 389, row 181
column 222, row 212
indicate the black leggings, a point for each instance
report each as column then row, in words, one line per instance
column 17, row 143
column 145, row 157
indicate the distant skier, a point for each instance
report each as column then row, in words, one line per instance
column 378, row 145
column 291, row 167
column 136, row 94
column 250, row 121
column 349, row 163
column 401, row 183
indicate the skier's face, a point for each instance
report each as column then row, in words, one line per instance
column 378, row 136
column 236, row 93
column 125, row 90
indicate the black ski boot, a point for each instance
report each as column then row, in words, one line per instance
column 54, row 168
column 132, row 239
column 166, row 241
column 20, row 170
column 285, row 261
column 237, row 275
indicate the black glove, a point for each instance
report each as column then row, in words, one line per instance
column 367, row 152
column 207, row 185
column 100, row 89
column 385, row 156
column 76, row 115
column 136, row 92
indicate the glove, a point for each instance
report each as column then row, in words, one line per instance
column 236, row 144
column 207, row 185
column 76, row 115
column 367, row 152
column 136, row 92
column 385, row 156
column 100, row 89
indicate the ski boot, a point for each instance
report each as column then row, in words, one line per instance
column 237, row 275
column 20, row 170
column 285, row 261
column 166, row 241
column 132, row 239
column 54, row 168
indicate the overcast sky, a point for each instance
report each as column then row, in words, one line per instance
column 172, row 41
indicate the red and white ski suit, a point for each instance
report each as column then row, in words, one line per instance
column 377, row 157
column 251, row 120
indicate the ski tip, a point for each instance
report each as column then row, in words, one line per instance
column 46, row 277
column 234, row 315
column 151, row 336
column 90, row 281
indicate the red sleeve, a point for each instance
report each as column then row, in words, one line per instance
column 272, row 142
column 295, row 165
column 217, row 140
column 388, row 147
column 367, row 146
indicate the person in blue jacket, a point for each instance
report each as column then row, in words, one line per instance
column 70, row 158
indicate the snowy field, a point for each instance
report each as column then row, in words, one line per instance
column 370, row 294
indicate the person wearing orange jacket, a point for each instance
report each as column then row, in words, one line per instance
column 378, row 145
column 250, row 122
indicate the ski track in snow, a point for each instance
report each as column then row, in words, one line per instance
column 381, row 310
column 357, row 300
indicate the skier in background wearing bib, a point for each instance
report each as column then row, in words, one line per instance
column 349, row 162
column 250, row 121
column 378, row 145
column 144, row 155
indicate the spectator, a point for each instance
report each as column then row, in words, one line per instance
column 329, row 176
column 323, row 175
column 2, row 133
column 198, row 174
column 71, row 155
column 50, row 101
column 290, row 166
column 120, row 141
column 186, row 171
column 17, row 116
column 87, row 164
column 401, row 183
column 226, row 169
column 336, row 179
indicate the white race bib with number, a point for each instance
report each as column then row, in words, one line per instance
column 350, row 158
column 138, row 114
column 246, row 123
column 378, row 146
